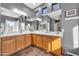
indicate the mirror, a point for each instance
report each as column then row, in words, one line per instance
column 10, row 26
column 43, row 26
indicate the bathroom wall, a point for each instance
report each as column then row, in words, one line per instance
column 70, row 26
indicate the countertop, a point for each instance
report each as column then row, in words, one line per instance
column 35, row 32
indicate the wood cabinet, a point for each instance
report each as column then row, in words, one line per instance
column 52, row 44
column 34, row 39
column 20, row 42
column 8, row 45
column 39, row 41
column 28, row 40
column 56, row 45
column 0, row 46
column 46, row 43
column 13, row 44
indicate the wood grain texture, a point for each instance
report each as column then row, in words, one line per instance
column 12, row 44
column 8, row 45
column 28, row 39
column 20, row 42
column 46, row 43
column 56, row 45
column 32, row 51
column 39, row 41
column 34, row 39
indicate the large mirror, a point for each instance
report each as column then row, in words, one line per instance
column 9, row 25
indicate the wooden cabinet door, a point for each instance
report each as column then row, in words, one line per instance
column 56, row 45
column 8, row 45
column 0, row 46
column 47, row 43
column 39, row 41
column 28, row 39
column 20, row 42
column 34, row 39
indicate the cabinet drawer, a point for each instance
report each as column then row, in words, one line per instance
column 8, row 38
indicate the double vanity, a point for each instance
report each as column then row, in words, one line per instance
column 48, row 41
column 41, row 29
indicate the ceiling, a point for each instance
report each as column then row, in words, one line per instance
column 7, row 12
column 33, row 5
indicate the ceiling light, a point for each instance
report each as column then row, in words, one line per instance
column 39, row 19
column 15, row 10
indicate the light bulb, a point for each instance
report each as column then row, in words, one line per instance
column 15, row 10
column 19, row 11
column 39, row 19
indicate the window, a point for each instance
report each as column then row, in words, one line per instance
column 44, row 10
column 55, row 6
column 36, row 13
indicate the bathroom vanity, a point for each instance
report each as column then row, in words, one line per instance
column 12, row 43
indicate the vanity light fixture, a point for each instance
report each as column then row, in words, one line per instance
column 19, row 12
